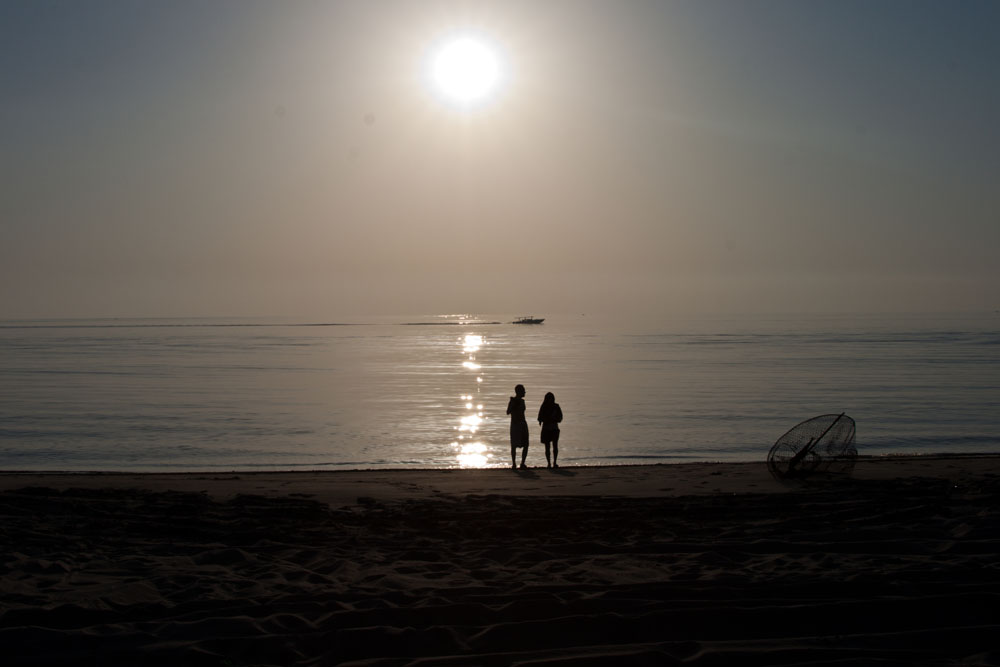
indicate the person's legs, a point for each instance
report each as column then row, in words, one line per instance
column 555, row 449
column 513, row 456
column 548, row 457
column 524, row 455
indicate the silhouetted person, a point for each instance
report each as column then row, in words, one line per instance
column 549, row 416
column 518, row 426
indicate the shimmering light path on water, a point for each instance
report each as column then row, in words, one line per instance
column 169, row 394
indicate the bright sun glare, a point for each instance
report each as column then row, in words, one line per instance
column 466, row 71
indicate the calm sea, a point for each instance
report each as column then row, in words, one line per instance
column 431, row 391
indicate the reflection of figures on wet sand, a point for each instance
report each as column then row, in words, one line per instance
column 518, row 426
column 549, row 416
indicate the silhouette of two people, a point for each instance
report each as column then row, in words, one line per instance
column 549, row 416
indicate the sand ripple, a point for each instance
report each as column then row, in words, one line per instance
column 894, row 572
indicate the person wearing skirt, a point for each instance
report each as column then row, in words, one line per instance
column 549, row 416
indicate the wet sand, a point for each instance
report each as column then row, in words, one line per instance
column 701, row 564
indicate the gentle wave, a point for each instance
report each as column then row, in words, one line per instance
column 167, row 325
column 158, row 395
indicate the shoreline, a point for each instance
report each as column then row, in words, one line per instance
column 860, row 457
column 339, row 488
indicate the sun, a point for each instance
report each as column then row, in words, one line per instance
column 466, row 71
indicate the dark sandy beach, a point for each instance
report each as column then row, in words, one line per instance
column 701, row 564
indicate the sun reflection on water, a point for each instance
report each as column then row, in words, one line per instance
column 472, row 343
column 474, row 454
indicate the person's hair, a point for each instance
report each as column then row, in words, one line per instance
column 520, row 386
column 549, row 398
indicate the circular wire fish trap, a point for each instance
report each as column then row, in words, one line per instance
column 823, row 444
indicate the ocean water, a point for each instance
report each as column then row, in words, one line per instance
column 431, row 391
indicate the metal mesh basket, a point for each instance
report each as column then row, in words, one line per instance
column 823, row 444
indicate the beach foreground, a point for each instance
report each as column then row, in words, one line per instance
column 700, row 564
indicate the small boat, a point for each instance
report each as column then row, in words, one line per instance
column 529, row 320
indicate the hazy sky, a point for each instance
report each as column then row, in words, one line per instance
column 203, row 158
